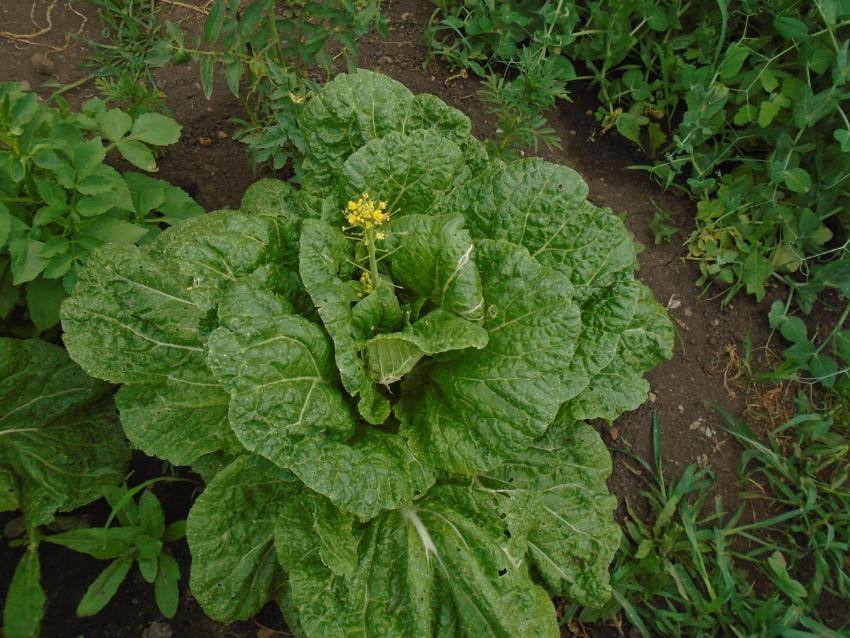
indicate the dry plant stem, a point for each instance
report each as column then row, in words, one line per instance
column 204, row 9
column 29, row 38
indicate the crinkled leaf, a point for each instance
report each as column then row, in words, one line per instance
column 433, row 256
column 542, row 206
column 456, row 553
column 215, row 249
column 475, row 411
column 286, row 407
column 58, row 430
column 358, row 107
column 575, row 536
column 230, row 532
column 280, row 372
column 369, row 473
column 179, row 418
column 410, row 171
column 391, row 356
column 131, row 318
column 620, row 386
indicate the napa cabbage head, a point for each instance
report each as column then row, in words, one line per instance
column 383, row 375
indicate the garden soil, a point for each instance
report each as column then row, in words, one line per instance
column 213, row 167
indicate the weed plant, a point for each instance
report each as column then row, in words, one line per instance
column 690, row 569
column 123, row 58
column 268, row 52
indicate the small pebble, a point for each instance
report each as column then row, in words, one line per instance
column 715, row 322
column 222, row 135
column 205, row 141
column 385, row 60
column 689, row 312
column 42, row 64
column 681, row 408
column 614, row 433
column 652, row 397
column 158, row 629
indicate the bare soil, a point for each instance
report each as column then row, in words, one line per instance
column 218, row 174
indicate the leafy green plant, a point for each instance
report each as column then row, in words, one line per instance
column 693, row 570
column 662, row 230
column 123, row 58
column 60, row 447
column 383, row 374
column 482, row 36
column 140, row 538
column 59, row 199
column 826, row 363
column 266, row 50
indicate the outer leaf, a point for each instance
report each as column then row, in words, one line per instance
column 456, row 553
column 230, row 532
column 58, row 431
column 358, row 107
column 25, row 600
column 575, row 537
column 620, row 387
column 131, row 318
column 151, row 309
column 372, row 472
column 476, row 411
column 215, row 249
column 542, row 206
column 156, row 417
column 411, row 171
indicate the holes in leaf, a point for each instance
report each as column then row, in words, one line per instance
column 503, row 571
column 507, row 533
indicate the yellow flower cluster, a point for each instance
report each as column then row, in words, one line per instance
column 366, row 213
column 366, row 283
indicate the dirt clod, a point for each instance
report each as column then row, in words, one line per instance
column 42, row 64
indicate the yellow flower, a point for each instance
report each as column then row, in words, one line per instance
column 366, row 213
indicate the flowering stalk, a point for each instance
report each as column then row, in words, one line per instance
column 367, row 214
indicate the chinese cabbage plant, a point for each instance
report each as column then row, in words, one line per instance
column 383, row 376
